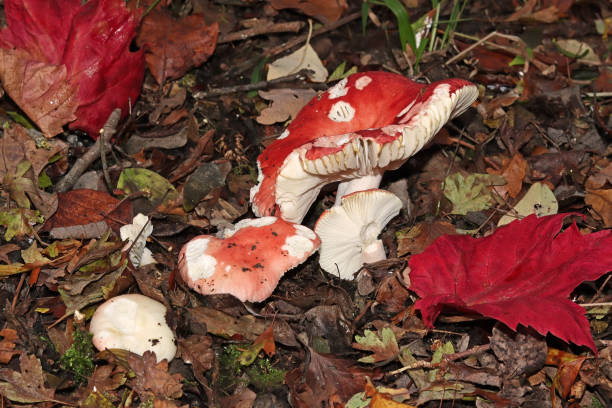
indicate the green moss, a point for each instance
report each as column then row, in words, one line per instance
column 78, row 359
column 264, row 376
column 243, row 169
column 261, row 374
column 230, row 371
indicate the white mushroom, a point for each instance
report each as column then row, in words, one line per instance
column 133, row 322
column 349, row 232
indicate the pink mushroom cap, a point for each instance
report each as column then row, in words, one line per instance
column 249, row 261
column 367, row 123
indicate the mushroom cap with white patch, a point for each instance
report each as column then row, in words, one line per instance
column 367, row 123
column 249, row 260
column 349, row 232
column 133, row 322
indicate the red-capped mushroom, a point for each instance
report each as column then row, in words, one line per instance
column 249, row 261
column 367, row 123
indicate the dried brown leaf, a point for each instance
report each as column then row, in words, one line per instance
column 175, row 46
column 152, row 379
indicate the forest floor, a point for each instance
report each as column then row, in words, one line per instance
column 463, row 312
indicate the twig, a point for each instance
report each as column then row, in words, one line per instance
column 297, row 41
column 268, row 28
column 301, row 75
column 107, row 132
column 595, row 304
column 600, row 290
column 302, row 38
column 88, row 158
column 470, row 48
column 17, row 292
column 445, row 359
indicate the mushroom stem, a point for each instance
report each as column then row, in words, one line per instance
column 373, row 252
column 367, row 182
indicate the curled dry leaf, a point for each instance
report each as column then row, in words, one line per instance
column 64, row 62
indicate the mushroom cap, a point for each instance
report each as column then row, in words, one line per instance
column 133, row 322
column 249, row 261
column 349, row 230
column 365, row 124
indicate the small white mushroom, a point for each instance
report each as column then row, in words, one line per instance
column 349, row 232
column 135, row 323
column 137, row 234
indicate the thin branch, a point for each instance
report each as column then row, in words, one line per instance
column 267, row 28
column 91, row 155
column 297, row 41
column 301, row 75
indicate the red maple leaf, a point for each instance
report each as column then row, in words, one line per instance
column 523, row 273
column 63, row 62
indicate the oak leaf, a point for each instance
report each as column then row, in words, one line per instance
column 521, row 274
column 28, row 385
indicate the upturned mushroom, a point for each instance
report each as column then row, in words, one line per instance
column 366, row 124
column 133, row 322
column 349, row 232
column 249, row 260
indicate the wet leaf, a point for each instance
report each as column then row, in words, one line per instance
column 566, row 375
column 380, row 400
column 326, row 377
column 416, row 239
column 7, row 345
column 201, row 182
